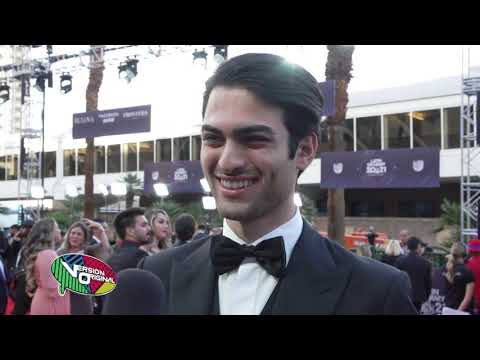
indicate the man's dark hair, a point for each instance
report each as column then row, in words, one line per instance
column 126, row 219
column 201, row 227
column 277, row 83
column 14, row 226
column 184, row 227
column 413, row 242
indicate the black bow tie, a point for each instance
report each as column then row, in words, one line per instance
column 227, row 255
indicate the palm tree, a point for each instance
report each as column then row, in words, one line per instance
column 338, row 68
column 134, row 187
column 94, row 83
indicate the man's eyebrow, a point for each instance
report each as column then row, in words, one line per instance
column 210, row 128
column 248, row 130
column 243, row 131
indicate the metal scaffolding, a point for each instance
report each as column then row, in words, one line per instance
column 470, row 160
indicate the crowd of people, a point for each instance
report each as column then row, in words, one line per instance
column 27, row 252
column 260, row 132
column 456, row 285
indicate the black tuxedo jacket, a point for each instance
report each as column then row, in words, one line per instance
column 419, row 270
column 126, row 256
column 321, row 278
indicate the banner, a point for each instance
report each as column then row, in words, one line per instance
column 181, row 177
column 381, row 169
column 112, row 122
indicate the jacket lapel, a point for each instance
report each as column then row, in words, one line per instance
column 314, row 280
column 192, row 283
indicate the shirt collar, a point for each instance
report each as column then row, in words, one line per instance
column 290, row 231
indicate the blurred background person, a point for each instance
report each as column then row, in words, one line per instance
column 108, row 230
column 364, row 250
column 419, row 271
column 161, row 232
column 185, row 227
column 41, row 286
column 202, row 232
column 392, row 252
column 459, row 280
column 403, row 236
column 13, row 253
column 474, row 266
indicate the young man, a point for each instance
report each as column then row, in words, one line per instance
column 185, row 227
column 133, row 229
column 419, row 271
column 261, row 116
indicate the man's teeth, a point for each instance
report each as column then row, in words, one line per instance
column 236, row 184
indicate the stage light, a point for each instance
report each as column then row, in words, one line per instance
column 65, row 83
column 128, row 69
column 209, row 203
column 4, row 92
column 161, row 189
column 200, row 57
column 220, row 53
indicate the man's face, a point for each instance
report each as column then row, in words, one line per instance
column 142, row 230
column 13, row 231
column 403, row 237
column 244, row 156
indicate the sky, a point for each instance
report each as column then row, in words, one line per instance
column 174, row 86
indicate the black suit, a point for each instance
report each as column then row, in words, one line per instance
column 126, row 256
column 419, row 270
column 321, row 278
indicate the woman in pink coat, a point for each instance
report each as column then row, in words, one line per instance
column 39, row 254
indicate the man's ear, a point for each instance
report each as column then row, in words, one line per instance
column 306, row 151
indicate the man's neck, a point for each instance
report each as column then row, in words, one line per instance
column 253, row 230
column 131, row 242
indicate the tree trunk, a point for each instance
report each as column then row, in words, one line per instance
column 94, row 83
column 338, row 68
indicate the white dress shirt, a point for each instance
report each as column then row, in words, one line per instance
column 246, row 290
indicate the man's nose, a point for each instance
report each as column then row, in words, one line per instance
column 232, row 158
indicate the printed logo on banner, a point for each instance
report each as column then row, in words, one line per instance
column 418, row 165
column 376, row 167
column 155, row 175
column 180, row 175
column 83, row 274
column 338, row 168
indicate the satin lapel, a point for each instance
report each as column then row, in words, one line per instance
column 192, row 283
column 314, row 281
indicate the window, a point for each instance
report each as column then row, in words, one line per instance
column 196, row 147
column 68, row 162
column 2, row 168
column 99, row 160
column 113, row 158
column 397, row 131
column 181, row 148
column 50, row 164
column 164, row 150
column 451, row 128
column 146, row 153
column 426, row 128
column 81, row 157
column 368, row 208
column 129, row 157
column 415, row 209
column 348, row 135
column 368, row 133
column 12, row 167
